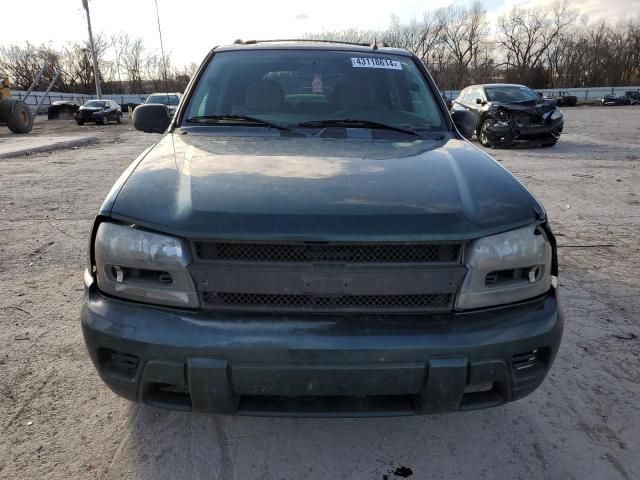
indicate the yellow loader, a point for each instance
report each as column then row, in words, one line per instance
column 13, row 112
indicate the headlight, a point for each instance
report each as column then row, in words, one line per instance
column 506, row 268
column 144, row 266
column 557, row 113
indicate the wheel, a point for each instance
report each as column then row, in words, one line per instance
column 103, row 120
column 483, row 134
column 119, row 118
column 16, row 115
column 80, row 122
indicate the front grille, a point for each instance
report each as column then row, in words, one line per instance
column 334, row 302
column 328, row 253
column 522, row 118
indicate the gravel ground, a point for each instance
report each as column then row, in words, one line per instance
column 58, row 421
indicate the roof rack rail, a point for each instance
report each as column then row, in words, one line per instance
column 311, row 40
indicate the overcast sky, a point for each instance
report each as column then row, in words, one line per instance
column 192, row 27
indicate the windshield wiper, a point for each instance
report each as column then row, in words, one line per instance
column 357, row 123
column 242, row 118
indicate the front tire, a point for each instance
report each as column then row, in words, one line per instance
column 17, row 115
column 103, row 121
column 483, row 134
column 119, row 118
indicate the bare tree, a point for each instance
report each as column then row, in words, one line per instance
column 22, row 64
column 418, row 36
column 527, row 33
column 130, row 54
column 464, row 33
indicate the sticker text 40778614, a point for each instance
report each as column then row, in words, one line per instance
column 368, row 62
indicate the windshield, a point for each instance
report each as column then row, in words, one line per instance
column 293, row 87
column 94, row 104
column 511, row 94
column 163, row 99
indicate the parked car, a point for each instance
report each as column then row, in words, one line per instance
column 62, row 109
column 562, row 98
column 633, row 96
column 630, row 97
column 287, row 253
column 506, row 114
column 99, row 111
column 612, row 100
column 170, row 100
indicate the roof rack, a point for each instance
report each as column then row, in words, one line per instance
column 311, row 40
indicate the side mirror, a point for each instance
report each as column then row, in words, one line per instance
column 465, row 122
column 479, row 101
column 151, row 118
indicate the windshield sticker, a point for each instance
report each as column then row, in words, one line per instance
column 365, row 62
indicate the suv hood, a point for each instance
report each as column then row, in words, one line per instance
column 203, row 186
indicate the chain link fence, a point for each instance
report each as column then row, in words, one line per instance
column 77, row 98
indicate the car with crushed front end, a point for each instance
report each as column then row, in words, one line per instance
column 98, row 111
column 508, row 114
column 312, row 235
column 630, row 97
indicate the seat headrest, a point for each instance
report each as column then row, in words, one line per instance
column 264, row 96
column 354, row 95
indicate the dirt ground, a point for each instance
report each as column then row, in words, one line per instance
column 58, row 421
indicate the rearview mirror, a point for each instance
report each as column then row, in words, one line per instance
column 465, row 122
column 151, row 118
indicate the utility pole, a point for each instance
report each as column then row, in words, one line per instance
column 85, row 4
column 164, row 59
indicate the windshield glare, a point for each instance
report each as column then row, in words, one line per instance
column 163, row 99
column 511, row 94
column 95, row 104
column 289, row 87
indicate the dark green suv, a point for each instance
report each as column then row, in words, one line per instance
column 312, row 235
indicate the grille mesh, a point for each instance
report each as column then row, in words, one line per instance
column 342, row 253
column 314, row 302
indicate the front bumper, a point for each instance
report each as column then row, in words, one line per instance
column 527, row 132
column 89, row 116
column 320, row 365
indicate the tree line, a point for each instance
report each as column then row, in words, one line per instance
column 125, row 65
column 548, row 46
